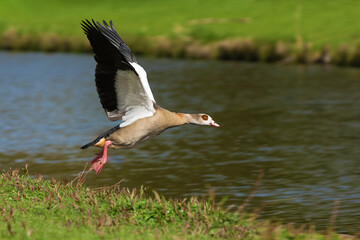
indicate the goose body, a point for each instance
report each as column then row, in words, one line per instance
column 142, row 129
column 125, row 95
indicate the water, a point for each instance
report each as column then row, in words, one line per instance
column 300, row 124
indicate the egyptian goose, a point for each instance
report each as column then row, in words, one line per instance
column 125, row 95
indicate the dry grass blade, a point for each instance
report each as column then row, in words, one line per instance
column 334, row 214
column 80, row 179
column 101, row 189
column 253, row 191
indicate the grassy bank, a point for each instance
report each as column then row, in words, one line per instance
column 285, row 31
column 41, row 209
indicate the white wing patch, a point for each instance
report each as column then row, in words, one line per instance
column 143, row 78
column 134, row 96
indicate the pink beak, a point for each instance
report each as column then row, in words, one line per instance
column 214, row 124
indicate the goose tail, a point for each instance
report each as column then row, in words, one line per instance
column 100, row 138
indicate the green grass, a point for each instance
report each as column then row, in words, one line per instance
column 35, row 208
column 319, row 22
column 276, row 29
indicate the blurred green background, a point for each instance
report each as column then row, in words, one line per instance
column 318, row 22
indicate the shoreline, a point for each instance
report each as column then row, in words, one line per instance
column 286, row 31
column 73, row 211
column 235, row 49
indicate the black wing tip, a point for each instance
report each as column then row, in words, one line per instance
column 98, row 34
column 96, row 24
column 87, row 25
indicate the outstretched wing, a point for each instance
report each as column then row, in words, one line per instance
column 121, row 82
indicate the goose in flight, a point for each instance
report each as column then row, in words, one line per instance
column 125, row 95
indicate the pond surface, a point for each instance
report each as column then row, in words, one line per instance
column 300, row 124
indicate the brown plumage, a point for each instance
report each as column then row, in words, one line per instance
column 145, row 128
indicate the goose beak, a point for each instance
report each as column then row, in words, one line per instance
column 214, row 124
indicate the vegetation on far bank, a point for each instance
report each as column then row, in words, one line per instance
column 272, row 31
column 35, row 208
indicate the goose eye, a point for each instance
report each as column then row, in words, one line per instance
column 205, row 117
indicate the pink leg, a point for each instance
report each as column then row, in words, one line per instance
column 99, row 161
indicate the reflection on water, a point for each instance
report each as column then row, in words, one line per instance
column 301, row 124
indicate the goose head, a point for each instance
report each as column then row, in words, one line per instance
column 202, row 119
